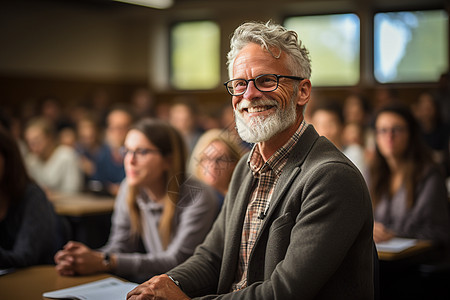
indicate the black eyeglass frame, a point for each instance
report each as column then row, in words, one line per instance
column 254, row 82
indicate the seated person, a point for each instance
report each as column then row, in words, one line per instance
column 89, row 146
column 408, row 190
column 328, row 121
column 108, row 170
column 297, row 219
column 214, row 158
column 54, row 167
column 28, row 226
column 435, row 132
column 183, row 116
column 159, row 216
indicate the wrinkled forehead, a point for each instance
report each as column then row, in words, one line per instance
column 255, row 59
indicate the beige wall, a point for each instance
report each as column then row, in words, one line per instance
column 72, row 42
column 67, row 49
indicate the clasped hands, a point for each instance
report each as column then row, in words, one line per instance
column 76, row 258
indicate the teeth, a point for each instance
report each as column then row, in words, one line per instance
column 257, row 109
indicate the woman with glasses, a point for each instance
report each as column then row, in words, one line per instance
column 214, row 158
column 407, row 189
column 160, row 214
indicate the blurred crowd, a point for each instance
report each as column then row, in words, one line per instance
column 71, row 148
column 401, row 146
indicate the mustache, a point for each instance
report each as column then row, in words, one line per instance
column 244, row 103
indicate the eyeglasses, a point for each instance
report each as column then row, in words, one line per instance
column 138, row 153
column 395, row 131
column 264, row 83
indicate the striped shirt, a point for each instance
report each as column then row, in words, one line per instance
column 266, row 175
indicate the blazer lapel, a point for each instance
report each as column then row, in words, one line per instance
column 234, row 233
column 290, row 172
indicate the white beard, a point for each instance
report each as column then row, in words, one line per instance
column 261, row 129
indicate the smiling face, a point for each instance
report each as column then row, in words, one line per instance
column 143, row 168
column 261, row 115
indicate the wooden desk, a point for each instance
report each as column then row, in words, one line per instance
column 88, row 215
column 79, row 205
column 30, row 283
column 420, row 247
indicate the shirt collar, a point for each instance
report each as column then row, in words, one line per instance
column 276, row 161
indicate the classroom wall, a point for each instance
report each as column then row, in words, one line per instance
column 69, row 49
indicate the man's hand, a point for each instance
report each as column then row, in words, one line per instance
column 159, row 287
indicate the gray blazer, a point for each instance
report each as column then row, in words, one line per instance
column 316, row 241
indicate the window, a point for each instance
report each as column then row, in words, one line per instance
column 333, row 42
column 410, row 46
column 195, row 55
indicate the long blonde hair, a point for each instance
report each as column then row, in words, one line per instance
column 171, row 146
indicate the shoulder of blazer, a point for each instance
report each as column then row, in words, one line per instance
column 303, row 146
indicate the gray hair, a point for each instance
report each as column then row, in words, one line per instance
column 269, row 36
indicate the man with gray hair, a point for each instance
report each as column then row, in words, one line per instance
column 297, row 219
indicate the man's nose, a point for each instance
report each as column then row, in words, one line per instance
column 252, row 92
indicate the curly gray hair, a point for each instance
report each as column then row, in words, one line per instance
column 270, row 35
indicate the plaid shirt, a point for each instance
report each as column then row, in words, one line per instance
column 266, row 176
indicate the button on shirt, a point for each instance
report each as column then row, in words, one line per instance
column 266, row 175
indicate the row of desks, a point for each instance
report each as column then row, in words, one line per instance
column 86, row 217
column 80, row 205
column 30, row 283
column 86, row 205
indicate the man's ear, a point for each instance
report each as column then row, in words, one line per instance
column 304, row 92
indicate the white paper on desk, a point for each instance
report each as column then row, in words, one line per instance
column 109, row 288
column 6, row 271
column 396, row 245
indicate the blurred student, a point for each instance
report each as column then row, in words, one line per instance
column 89, row 146
column 356, row 110
column 54, row 167
column 408, row 191
column 160, row 216
column 426, row 109
column 28, row 226
column 183, row 116
column 214, row 158
column 143, row 103
column 328, row 121
column 109, row 169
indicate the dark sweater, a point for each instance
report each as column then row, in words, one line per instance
column 28, row 232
